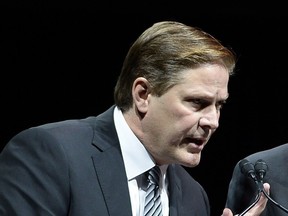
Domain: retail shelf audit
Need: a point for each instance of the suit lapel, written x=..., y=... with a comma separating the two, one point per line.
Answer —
x=110, y=172
x=109, y=166
x=174, y=191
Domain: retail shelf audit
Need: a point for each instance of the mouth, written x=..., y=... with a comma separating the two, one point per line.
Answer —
x=195, y=141
x=194, y=145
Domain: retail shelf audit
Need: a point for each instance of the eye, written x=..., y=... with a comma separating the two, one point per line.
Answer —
x=200, y=103
x=220, y=104
x=196, y=101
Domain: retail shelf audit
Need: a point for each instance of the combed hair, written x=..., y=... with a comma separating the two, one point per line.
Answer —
x=162, y=52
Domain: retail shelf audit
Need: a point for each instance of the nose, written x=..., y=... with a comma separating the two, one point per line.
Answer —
x=210, y=118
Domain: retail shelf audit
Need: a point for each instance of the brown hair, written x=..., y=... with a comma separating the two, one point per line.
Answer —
x=164, y=50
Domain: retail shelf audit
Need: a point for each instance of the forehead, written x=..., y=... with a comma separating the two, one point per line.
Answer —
x=209, y=79
x=207, y=74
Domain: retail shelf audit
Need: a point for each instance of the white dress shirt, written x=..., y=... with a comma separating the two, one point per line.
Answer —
x=137, y=161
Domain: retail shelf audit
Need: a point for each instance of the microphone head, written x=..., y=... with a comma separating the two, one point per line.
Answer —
x=247, y=168
x=261, y=168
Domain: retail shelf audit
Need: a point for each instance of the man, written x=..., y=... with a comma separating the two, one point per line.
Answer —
x=168, y=99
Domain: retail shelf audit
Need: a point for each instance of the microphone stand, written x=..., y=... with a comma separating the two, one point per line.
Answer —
x=252, y=205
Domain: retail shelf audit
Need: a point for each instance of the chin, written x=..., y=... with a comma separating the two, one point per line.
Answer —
x=192, y=163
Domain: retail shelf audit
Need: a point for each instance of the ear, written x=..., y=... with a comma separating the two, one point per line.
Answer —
x=140, y=93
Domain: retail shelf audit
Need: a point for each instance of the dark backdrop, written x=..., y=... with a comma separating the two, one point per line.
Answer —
x=61, y=61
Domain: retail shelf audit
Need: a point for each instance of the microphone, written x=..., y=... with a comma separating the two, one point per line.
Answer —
x=247, y=168
x=261, y=168
x=257, y=172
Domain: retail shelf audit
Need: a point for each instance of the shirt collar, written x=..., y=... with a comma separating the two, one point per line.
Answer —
x=136, y=158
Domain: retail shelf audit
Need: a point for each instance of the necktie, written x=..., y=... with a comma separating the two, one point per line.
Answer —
x=152, y=198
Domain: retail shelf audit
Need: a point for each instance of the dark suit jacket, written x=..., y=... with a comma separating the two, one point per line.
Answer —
x=242, y=190
x=75, y=168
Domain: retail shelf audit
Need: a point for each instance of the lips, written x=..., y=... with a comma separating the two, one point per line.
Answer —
x=196, y=141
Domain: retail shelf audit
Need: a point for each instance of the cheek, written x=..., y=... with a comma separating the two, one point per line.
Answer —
x=185, y=124
x=185, y=116
x=173, y=114
x=188, y=123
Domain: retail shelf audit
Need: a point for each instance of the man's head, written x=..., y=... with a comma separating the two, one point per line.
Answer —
x=173, y=84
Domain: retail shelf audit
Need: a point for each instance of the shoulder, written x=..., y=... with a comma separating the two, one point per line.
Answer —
x=56, y=129
x=275, y=154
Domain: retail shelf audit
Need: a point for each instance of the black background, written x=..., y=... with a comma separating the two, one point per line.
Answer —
x=60, y=60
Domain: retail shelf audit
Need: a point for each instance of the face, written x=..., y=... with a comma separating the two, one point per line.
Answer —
x=177, y=125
